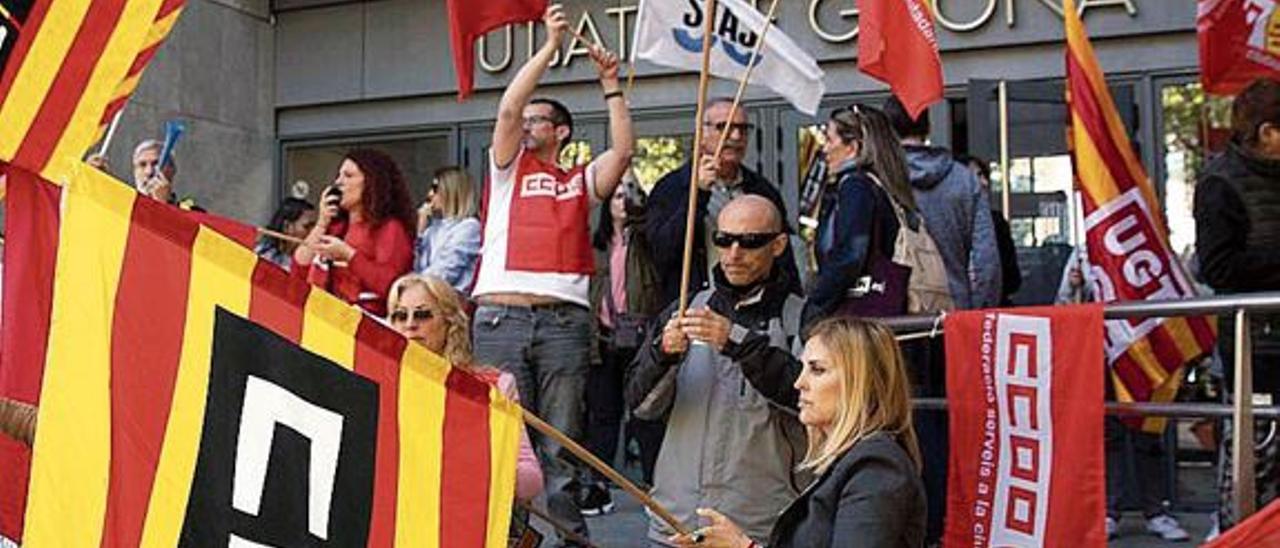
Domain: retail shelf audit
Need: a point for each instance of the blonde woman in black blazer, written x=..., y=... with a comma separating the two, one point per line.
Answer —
x=854, y=399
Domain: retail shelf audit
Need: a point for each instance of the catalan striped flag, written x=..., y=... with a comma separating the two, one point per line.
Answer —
x=192, y=394
x=1125, y=234
x=64, y=63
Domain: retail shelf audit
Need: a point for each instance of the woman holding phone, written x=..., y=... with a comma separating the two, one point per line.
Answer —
x=363, y=238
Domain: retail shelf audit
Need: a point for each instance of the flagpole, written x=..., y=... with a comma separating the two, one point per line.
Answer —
x=565, y=530
x=742, y=85
x=613, y=475
x=704, y=80
x=1002, y=93
x=111, y=132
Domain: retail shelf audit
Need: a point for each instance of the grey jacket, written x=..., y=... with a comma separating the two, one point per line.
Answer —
x=956, y=211
x=727, y=445
x=871, y=497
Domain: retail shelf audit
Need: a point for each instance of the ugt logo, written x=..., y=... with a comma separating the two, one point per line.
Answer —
x=737, y=44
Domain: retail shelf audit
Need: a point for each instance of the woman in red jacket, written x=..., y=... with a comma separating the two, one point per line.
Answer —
x=363, y=239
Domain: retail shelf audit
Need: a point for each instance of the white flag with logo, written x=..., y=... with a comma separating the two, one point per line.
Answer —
x=669, y=33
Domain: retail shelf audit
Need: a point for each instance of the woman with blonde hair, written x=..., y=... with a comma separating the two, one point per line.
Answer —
x=448, y=244
x=430, y=312
x=854, y=399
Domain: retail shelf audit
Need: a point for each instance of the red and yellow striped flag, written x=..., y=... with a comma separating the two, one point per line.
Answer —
x=191, y=393
x=65, y=62
x=1125, y=235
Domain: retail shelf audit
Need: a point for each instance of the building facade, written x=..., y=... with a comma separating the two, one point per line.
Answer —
x=331, y=74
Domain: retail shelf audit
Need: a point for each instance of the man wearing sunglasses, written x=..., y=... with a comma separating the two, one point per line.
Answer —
x=714, y=372
x=718, y=182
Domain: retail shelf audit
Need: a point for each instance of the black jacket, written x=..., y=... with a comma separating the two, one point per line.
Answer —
x=1237, y=212
x=872, y=497
x=770, y=370
x=665, y=221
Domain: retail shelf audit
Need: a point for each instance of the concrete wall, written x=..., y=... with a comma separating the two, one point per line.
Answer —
x=216, y=71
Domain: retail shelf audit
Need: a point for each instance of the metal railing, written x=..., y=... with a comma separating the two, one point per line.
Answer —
x=1241, y=411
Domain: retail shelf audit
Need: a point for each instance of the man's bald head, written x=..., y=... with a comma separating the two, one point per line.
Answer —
x=750, y=213
x=752, y=226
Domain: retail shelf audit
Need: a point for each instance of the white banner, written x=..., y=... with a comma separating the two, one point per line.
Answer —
x=669, y=33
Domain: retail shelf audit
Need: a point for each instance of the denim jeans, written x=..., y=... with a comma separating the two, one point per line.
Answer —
x=547, y=349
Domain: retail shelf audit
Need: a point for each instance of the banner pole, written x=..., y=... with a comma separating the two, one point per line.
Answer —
x=746, y=76
x=111, y=132
x=613, y=475
x=1002, y=92
x=703, y=81
x=565, y=530
x=1242, y=443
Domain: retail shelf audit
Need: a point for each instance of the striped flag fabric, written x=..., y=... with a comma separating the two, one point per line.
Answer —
x=1125, y=236
x=165, y=19
x=191, y=393
x=65, y=62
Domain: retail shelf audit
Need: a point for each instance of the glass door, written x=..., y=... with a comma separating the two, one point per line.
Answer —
x=1042, y=209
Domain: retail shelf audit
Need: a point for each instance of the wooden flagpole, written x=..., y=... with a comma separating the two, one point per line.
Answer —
x=565, y=530
x=703, y=81
x=742, y=85
x=613, y=475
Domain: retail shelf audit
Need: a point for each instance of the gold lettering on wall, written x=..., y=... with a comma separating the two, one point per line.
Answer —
x=508, y=44
x=586, y=28
x=624, y=38
x=827, y=34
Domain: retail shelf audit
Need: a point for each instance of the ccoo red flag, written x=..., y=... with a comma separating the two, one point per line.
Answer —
x=1238, y=42
x=471, y=19
x=897, y=45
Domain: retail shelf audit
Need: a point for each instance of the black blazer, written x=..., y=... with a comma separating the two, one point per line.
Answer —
x=871, y=497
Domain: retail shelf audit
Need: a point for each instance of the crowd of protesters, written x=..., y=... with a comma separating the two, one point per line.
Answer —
x=772, y=410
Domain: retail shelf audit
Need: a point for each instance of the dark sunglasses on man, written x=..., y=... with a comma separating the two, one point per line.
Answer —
x=743, y=128
x=747, y=240
x=402, y=315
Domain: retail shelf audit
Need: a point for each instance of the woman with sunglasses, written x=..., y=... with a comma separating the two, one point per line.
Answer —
x=857, y=227
x=363, y=239
x=855, y=403
x=449, y=236
x=428, y=311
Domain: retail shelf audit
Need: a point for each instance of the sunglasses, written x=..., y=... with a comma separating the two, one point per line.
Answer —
x=420, y=314
x=749, y=240
x=742, y=128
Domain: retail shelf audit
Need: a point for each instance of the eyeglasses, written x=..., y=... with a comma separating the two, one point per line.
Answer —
x=537, y=119
x=402, y=315
x=748, y=240
x=743, y=128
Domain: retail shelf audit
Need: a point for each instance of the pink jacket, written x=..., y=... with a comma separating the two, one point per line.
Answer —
x=528, y=470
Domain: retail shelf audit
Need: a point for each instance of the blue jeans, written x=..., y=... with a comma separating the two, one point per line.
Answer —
x=547, y=349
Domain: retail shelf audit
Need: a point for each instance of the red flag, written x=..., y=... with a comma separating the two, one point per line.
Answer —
x=1261, y=529
x=1025, y=393
x=1238, y=42
x=471, y=19
x=897, y=45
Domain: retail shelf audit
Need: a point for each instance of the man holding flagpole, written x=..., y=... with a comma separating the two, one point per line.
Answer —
x=536, y=261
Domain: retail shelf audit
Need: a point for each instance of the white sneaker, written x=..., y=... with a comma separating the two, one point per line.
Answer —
x=1166, y=527
x=1112, y=526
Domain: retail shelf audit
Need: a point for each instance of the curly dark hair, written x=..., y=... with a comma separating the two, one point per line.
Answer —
x=386, y=195
x=1257, y=104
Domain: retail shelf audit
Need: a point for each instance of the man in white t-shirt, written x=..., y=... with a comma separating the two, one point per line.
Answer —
x=536, y=260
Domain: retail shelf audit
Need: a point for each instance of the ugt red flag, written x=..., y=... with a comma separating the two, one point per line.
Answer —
x=471, y=19
x=897, y=45
x=1238, y=42
x=1026, y=461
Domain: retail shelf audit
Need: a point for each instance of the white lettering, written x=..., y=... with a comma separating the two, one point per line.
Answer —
x=954, y=26
x=542, y=185
x=1024, y=375
x=266, y=405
